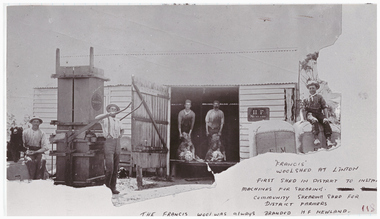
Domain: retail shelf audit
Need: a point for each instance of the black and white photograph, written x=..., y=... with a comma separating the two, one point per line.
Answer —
x=184, y=109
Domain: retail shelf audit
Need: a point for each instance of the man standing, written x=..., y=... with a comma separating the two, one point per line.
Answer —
x=36, y=142
x=214, y=120
x=186, y=119
x=112, y=132
x=312, y=108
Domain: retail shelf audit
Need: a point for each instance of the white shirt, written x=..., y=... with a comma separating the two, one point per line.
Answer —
x=35, y=138
x=111, y=127
x=311, y=96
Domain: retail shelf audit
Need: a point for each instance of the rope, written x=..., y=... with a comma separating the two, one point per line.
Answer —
x=131, y=111
x=185, y=53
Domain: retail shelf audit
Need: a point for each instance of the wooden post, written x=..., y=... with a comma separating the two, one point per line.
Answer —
x=168, y=134
x=139, y=176
x=91, y=57
x=173, y=168
x=69, y=164
x=298, y=92
x=57, y=61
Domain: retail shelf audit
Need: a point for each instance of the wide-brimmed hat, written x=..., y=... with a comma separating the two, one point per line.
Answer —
x=35, y=118
x=111, y=105
x=315, y=83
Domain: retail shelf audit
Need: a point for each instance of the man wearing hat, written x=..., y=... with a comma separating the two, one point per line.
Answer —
x=36, y=142
x=112, y=132
x=312, y=110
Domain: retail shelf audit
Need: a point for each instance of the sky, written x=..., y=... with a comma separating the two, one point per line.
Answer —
x=184, y=44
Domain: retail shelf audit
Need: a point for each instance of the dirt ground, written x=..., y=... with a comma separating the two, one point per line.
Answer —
x=154, y=187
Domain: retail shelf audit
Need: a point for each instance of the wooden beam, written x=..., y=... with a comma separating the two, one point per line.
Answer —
x=72, y=137
x=141, y=119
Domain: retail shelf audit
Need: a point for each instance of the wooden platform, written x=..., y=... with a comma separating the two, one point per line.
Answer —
x=220, y=166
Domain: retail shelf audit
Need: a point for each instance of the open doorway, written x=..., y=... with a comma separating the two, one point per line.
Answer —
x=202, y=101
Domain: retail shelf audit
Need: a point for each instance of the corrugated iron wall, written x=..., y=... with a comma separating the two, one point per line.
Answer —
x=271, y=96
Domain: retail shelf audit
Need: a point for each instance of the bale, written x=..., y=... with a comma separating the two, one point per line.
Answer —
x=305, y=138
x=271, y=136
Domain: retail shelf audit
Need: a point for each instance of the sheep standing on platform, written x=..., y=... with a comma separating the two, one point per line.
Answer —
x=186, y=150
x=216, y=152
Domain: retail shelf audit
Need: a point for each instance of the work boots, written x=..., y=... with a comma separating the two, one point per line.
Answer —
x=329, y=143
x=114, y=191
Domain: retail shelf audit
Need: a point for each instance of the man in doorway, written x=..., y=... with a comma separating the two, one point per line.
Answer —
x=36, y=142
x=112, y=131
x=186, y=119
x=312, y=108
x=214, y=120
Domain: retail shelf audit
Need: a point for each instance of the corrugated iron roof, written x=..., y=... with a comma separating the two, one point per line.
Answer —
x=230, y=85
x=44, y=87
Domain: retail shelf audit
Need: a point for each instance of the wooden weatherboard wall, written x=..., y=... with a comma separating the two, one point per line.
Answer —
x=256, y=96
x=45, y=106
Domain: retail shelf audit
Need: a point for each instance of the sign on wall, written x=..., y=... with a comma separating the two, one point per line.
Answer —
x=258, y=114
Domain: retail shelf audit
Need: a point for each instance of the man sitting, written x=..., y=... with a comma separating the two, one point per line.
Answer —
x=36, y=142
x=312, y=108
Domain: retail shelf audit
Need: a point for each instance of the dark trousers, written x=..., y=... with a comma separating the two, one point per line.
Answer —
x=112, y=158
x=36, y=166
x=185, y=128
x=315, y=127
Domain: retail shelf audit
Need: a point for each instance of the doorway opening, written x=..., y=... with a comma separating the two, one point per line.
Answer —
x=201, y=102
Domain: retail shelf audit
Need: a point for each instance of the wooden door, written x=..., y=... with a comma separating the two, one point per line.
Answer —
x=150, y=122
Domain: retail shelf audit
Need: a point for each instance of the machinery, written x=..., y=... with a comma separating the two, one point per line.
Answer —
x=80, y=155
